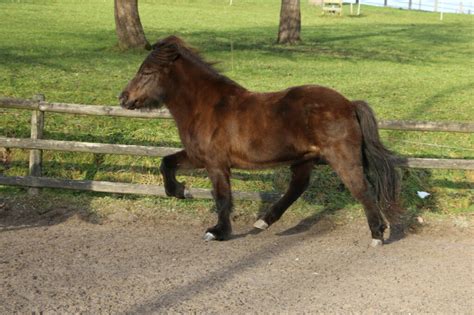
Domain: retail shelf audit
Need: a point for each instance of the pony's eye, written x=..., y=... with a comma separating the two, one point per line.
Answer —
x=147, y=72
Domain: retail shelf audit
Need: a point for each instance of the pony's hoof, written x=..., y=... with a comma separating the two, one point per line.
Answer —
x=260, y=224
x=376, y=243
x=209, y=237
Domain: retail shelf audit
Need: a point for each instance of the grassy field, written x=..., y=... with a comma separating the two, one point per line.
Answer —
x=407, y=64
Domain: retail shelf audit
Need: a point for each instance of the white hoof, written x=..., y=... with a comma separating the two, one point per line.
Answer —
x=209, y=237
x=260, y=224
x=187, y=194
x=376, y=243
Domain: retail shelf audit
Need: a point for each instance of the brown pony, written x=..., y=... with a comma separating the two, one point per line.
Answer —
x=222, y=125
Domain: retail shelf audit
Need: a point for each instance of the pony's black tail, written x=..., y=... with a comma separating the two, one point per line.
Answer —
x=378, y=166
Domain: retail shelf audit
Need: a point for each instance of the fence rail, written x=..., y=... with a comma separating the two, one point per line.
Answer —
x=88, y=147
x=125, y=188
x=38, y=106
x=98, y=110
x=106, y=148
x=459, y=7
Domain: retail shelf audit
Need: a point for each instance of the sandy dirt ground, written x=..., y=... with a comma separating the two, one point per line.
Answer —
x=73, y=266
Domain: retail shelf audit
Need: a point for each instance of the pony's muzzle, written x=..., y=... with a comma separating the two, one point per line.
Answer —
x=125, y=101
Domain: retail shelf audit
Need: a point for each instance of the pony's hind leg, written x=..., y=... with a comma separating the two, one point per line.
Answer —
x=169, y=165
x=348, y=165
x=300, y=175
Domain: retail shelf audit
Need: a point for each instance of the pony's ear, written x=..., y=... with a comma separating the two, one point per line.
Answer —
x=165, y=53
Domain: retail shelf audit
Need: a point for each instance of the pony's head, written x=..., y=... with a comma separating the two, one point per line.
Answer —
x=146, y=89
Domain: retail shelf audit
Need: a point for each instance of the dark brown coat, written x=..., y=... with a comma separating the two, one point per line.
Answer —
x=223, y=125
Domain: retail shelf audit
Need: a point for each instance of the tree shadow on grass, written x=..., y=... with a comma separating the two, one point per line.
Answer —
x=381, y=42
x=390, y=43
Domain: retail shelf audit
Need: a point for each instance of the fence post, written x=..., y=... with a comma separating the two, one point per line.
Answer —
x=36, y=156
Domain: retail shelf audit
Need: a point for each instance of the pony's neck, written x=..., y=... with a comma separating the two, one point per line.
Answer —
x=190, y=89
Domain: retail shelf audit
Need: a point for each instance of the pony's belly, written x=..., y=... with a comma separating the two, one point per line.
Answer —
x=262, y=160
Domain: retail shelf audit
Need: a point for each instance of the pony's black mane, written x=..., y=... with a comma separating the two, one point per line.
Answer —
x=189, y=53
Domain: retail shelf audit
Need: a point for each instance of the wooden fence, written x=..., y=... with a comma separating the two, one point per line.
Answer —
x=36, y=144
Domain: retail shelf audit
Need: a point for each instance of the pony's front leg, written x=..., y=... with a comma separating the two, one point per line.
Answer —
x=169, y=165
x=220, y=179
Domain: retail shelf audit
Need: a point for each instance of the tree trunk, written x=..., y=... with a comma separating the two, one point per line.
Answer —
x=290, y=22
x=128, y=26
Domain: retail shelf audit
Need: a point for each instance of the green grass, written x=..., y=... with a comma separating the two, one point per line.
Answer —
x=407, y=64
